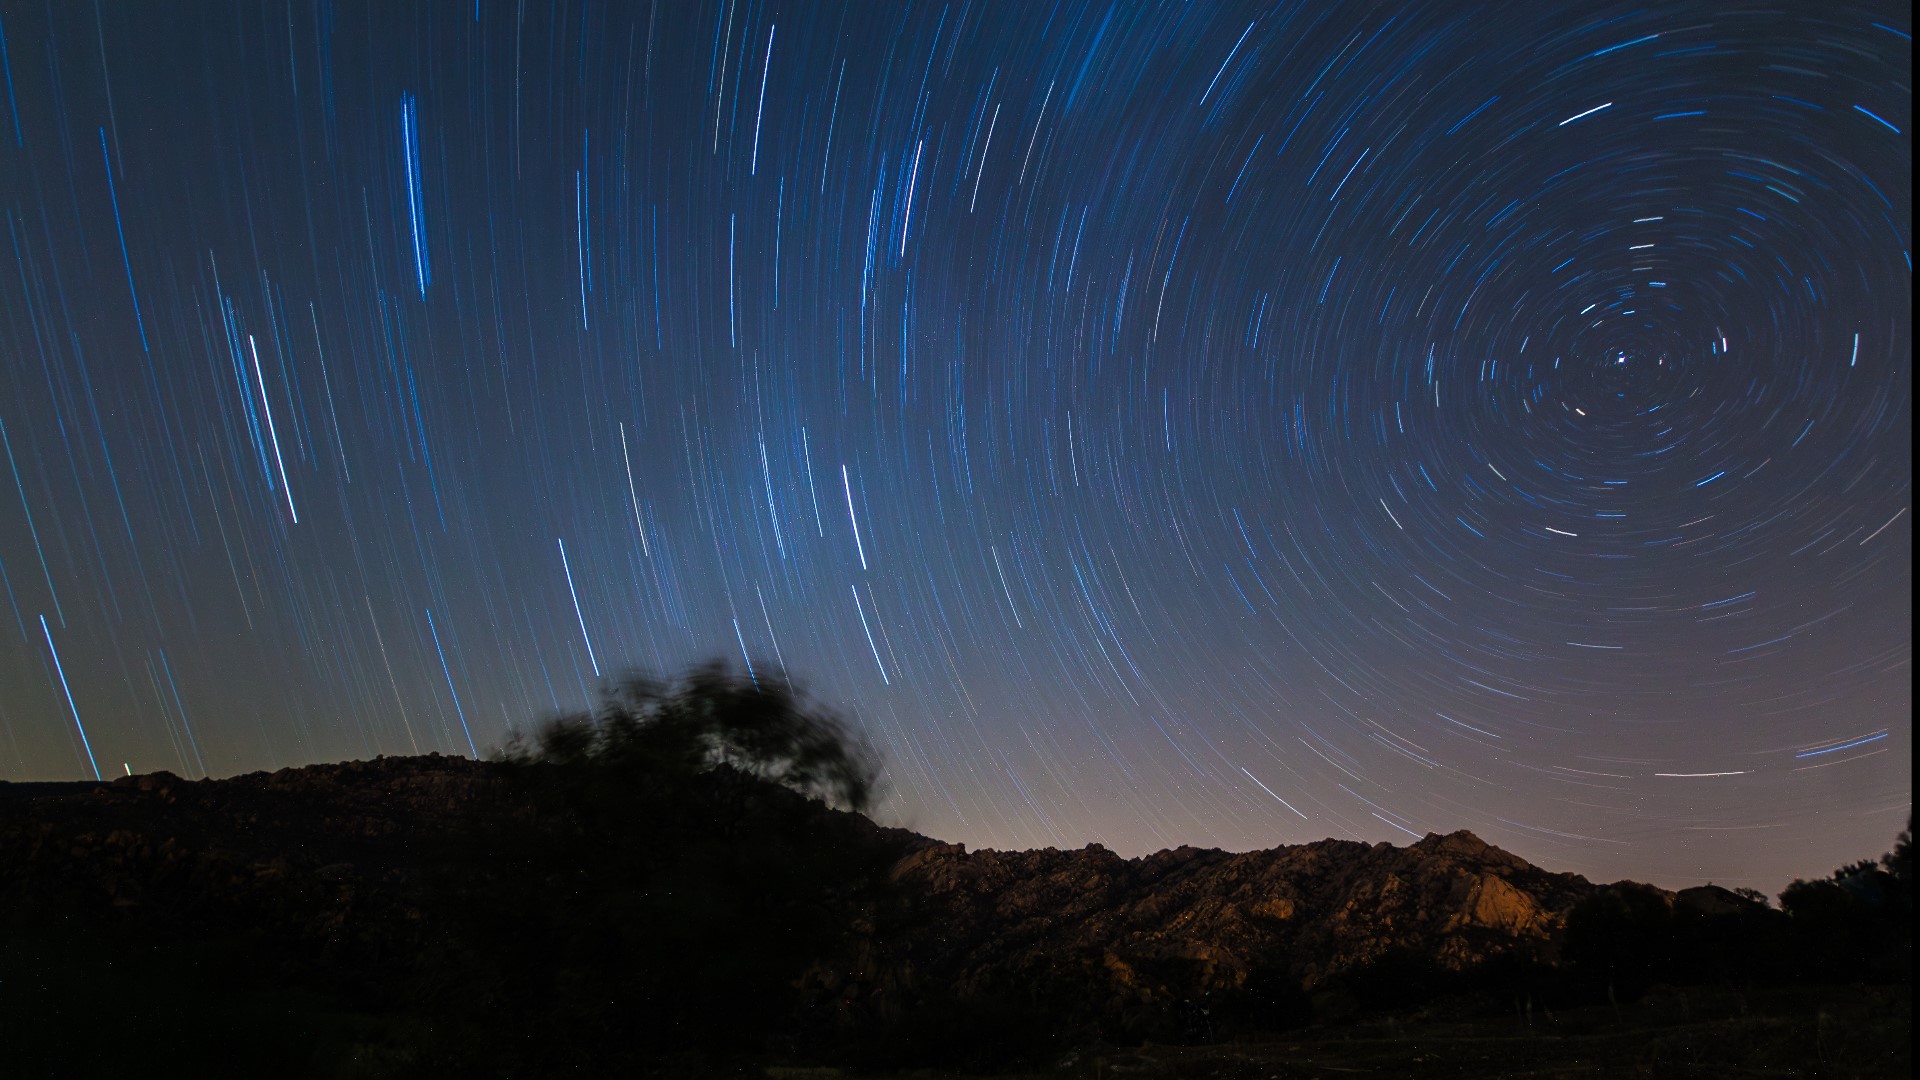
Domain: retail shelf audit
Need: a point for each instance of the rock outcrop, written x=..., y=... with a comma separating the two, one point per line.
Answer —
x=1184, y=924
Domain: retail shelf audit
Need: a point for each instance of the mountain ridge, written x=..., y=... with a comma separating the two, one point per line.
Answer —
x=462, y=889
x=1347, y=899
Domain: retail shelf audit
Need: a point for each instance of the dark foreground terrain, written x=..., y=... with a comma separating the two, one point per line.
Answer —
x=622, y=900
x=1845, y=1032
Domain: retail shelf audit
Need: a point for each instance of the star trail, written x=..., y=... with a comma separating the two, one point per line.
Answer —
x=1156, y=423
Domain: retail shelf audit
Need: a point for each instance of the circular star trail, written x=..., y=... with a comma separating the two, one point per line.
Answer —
x=1157, y=423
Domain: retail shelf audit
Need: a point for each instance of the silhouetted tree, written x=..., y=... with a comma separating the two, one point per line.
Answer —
x=671, y=884
x=1857, y=923
x=648, y=728
x=1899, y=861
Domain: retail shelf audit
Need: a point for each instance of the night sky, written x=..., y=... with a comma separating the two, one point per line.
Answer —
x=1168, y=423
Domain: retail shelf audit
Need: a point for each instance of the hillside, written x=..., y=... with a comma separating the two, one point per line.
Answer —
x=430, y=914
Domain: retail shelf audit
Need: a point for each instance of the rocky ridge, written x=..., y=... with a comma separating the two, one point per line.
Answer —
x=335, y=861
x=1179, y=926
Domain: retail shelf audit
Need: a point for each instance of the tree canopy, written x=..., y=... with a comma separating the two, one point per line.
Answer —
x=705, y=719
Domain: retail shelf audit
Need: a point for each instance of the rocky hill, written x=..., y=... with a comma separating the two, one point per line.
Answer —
x=370, y=873
x=1320, y=909
x=327, y=858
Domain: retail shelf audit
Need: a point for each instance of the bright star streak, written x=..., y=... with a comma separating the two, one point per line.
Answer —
x=1270, y=791
x=577, y=614
x=451, y=692
x=847, y=486
x=267, y=407
x=75, y=709
x=1589, y=112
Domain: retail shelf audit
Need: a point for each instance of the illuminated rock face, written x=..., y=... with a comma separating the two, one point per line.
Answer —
x=1189, y=922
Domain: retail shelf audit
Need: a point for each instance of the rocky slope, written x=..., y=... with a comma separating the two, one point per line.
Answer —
x=342, y=866
x=1328, y=906
x=328, y=862
x=1149, y=940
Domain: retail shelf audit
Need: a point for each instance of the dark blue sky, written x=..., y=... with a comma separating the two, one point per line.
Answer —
x=1157, y=423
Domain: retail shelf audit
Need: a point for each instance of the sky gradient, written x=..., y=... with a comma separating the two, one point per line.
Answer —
x=1217, y=424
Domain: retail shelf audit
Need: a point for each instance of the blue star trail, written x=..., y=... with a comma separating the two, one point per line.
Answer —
x=1253, y=423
